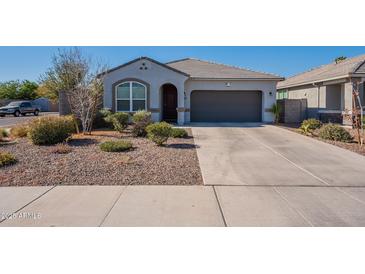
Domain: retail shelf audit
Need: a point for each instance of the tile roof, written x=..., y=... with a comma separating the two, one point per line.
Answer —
x=209, y=70
x=326, y=72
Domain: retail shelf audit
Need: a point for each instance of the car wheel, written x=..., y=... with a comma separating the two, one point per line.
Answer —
x=2, y=115
x=17, y=113
x=36, y=113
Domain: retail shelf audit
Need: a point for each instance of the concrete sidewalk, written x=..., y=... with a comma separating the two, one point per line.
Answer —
x=182, y=206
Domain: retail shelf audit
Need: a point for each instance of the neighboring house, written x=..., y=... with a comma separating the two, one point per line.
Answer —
x=190, y=90
x=328, y=89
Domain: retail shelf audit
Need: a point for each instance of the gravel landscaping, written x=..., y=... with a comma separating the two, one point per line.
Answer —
x=353, y=146
x=176, y=163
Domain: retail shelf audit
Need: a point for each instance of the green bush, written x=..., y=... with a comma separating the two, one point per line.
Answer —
x=310, y=125
x=6, y=159
x=335, y=133
x=159, y=132
x=100, y=120
x=51, y=130
x=119, y=120
x=141, y=119
x=179, y=133
x=19, y=131
x=115, y=146
x=3, y=133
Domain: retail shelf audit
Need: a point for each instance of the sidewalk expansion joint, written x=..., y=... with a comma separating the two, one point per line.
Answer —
x=219, y=206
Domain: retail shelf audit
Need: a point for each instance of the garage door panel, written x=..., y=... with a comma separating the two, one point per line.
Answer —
x=226, y=106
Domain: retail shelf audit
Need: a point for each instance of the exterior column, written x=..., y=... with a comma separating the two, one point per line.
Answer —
x=180, y=105
x=347, y=116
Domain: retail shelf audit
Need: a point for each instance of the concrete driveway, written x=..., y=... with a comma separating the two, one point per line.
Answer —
x=262, y=155
x=9, y=121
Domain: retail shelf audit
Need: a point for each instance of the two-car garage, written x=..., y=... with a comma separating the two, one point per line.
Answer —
x=225, y=106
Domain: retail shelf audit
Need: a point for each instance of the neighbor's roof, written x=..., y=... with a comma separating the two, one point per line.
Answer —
x=209, y=70
x=327, y=72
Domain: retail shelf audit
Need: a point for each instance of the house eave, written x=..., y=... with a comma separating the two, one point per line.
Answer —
x=315, y=82
x=236, y=79
x=143, y=58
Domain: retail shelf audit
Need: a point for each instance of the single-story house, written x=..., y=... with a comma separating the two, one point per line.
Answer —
x=190, y=90
x=327, y=89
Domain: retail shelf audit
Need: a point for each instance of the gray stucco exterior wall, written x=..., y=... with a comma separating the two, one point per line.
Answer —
x=156, y=75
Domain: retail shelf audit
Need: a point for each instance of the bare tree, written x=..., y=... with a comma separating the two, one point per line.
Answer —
x=81, y=80
x=86, y=97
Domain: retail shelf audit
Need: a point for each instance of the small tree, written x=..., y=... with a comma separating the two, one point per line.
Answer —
x=276, y=109
x=81, y=80
x=340, y=59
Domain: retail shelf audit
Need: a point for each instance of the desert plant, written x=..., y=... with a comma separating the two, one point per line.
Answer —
x=335, y=133
x=6, y=159
x=119, y=120
x=159, y=132
x=61, y=149
x=116, y=146
x=141, y=119
x=276, y=109
x=179, y=133
x=19, y=131
x=3, y=133
x=310, y=125
x=51, y=130
x=100, y=120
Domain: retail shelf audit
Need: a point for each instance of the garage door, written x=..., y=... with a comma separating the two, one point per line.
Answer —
x=225, y=106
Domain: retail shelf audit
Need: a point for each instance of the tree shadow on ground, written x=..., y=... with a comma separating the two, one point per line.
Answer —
x=80, y=142
x=182, y=146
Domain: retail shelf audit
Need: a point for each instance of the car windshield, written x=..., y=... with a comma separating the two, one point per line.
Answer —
x=14, y=104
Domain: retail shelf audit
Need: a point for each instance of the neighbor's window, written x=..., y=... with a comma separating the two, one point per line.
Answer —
x=131, y=96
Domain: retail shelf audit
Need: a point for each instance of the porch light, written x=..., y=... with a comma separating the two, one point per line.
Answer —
x=228, y=84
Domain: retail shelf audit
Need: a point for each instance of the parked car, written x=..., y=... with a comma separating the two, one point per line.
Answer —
x=19, y=108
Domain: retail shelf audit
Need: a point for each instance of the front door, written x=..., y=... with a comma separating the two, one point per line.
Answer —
x=169, y=102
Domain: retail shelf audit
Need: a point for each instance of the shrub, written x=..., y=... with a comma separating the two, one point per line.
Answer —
x=61, y=149
x=276, y=110
x=119, y=120
x=6, y=159
x=310, y=125
x=3, y=133
x=51, y=130
x=335, y=133
x=115, y=146
x=179, y=133
x=20, y=131
x=159, y=132
x=141, y=119
x=100, y=120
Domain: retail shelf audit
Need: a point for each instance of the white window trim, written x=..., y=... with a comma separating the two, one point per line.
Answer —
x=130, y=96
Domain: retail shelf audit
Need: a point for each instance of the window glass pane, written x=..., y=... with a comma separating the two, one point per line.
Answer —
x=123, y=91
x=123, y=105
x=138, y=91
x=139, y=105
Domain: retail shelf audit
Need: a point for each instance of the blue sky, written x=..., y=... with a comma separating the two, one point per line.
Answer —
x=29, y=62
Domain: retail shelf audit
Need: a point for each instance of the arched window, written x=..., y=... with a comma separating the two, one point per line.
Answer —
x=131, y=96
